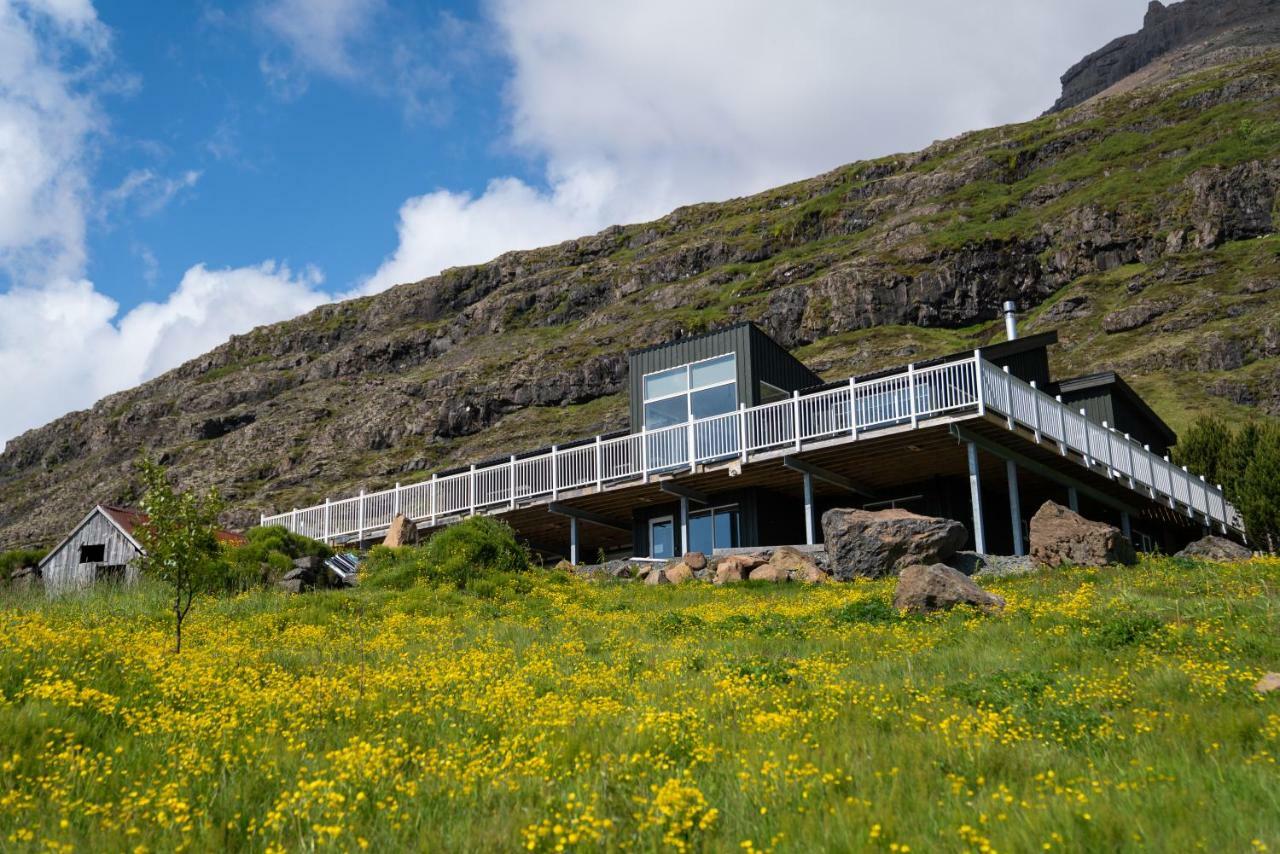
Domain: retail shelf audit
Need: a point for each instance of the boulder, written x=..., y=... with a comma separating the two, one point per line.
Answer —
x=1216, y=548
x=291, y=585
x=1060, y=537
x=1268, y=683
x=922, y=589
x=729, y=571
x=873, y=544
x=768, y=572
x=24, y=577
x=678, y=573
x=798, y=565
x=567, y=566
x=656, y=576
x=695, y=560
x=401, y=533
x=309, y=563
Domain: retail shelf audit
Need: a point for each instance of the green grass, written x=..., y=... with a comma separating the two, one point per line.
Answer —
x=1105, y=709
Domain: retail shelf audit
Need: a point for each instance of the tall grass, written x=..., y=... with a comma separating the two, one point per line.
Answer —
x=1105, y=710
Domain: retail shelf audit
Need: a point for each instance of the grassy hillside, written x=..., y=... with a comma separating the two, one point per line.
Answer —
x=1106, y=710
x=1143, y=227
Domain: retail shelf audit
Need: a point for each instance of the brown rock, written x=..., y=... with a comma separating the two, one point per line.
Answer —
x=656, y=576
x=565, y=565
x=922, y=589
x=695, y=560
x=768, y=573
x=1216, y=548
x=800, y=566
x=678, y=573
x=1268, y=683
x=869, y=544
x=729, y=571
x=1060, y=537
x=401, y=533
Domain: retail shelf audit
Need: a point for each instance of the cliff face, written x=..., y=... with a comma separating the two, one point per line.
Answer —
x=1191, y=32
x=1141, y=226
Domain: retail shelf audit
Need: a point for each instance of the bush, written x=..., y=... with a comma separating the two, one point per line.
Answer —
x=267, y=556
x=17, y=559
x=459, y=556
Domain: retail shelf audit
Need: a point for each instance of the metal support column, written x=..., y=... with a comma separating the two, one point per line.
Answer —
x=808, y=509
x=1073, y=499
x=573, y=540
x=975, y=497
x=1015, y=507
x=684, y=525
x=1125, y=527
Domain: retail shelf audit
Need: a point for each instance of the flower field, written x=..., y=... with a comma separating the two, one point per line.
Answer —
x=1105, y=710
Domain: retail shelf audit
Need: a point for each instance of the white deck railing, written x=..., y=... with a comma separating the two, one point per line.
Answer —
x=844, y=412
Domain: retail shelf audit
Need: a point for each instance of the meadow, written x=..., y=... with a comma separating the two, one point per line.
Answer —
x=1105, y=710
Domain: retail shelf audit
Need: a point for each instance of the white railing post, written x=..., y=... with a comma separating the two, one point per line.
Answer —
x=396, y=501
x=511, y=480
x=471, y=488
x=1035, y=411
x=1062, y=425
x=1133, y=472
x=262, y=519
x=742, y=432
x=326, y=521
x=293, y=520
x=555, y=475
x=599, y=466
x=911, y=393
x=360, y=522
x=978, y=387
x=853, y=407
x=1088, y=440
x=434, y=486
x=1168, y=464
x=1008, y=395
x=644, y=453
x=690, y=435
x=1111, y=468
x=795, y=416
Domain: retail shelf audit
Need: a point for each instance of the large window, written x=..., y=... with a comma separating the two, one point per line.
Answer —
x=713, y=529
x=699, y=390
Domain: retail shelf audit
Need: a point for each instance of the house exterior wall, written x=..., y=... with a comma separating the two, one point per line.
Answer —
x=62, y=570
x=1029, y=366
x=758, y=358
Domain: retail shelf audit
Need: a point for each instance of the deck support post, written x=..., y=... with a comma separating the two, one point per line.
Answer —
x=1073, y=499
x=809, y=537
x=1015, y=507
x=573, y=540
x=975, y=497
x=1126, y=527
x=684, y=525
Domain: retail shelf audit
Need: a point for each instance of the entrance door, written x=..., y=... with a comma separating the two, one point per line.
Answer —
x=662, y=537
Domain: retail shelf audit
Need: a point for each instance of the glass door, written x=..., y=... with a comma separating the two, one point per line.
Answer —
x=662, y=537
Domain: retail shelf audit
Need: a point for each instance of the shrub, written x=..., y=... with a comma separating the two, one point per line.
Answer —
x=458, y=556
x=267, y=556
x=16, y=559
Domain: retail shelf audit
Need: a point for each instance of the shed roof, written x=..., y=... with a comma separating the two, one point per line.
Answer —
x=127, y=519
x=1113, y=380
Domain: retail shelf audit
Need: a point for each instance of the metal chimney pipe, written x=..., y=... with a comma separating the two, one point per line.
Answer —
x=1010, y=319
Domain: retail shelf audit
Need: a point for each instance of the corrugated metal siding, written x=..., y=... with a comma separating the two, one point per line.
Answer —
x=63, y=570
x=774, y=364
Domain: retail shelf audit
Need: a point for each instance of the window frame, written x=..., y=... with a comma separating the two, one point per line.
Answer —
x=689, y=389
x=86, y=546
x=735, y=507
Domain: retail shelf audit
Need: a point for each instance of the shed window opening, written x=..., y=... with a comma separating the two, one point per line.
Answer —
x=698, y=390
x=717, y=528
x=96, y=553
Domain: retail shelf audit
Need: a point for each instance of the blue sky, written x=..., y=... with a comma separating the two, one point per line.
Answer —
x=175, y=173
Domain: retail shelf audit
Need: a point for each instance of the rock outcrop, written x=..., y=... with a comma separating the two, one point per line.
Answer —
x=1238, y=24
x=1060, y=537
x=873, y=544
x=923, y=589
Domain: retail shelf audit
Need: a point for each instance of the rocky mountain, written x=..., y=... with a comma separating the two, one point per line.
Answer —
x=1174, y=40
x=1142, y=226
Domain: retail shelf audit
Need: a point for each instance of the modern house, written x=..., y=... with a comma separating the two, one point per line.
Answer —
x=103, y=547
x=734, y=442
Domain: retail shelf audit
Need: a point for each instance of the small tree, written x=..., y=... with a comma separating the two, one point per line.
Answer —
x=1258, y=493
x=1203, y=448
x=179, y=540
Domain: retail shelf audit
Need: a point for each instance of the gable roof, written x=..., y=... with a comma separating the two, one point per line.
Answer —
x=127, y=520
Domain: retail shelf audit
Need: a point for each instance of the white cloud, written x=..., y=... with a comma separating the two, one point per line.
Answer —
x=63, y=345
x=318, y=35
x=149, y=192
x=638, y=108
